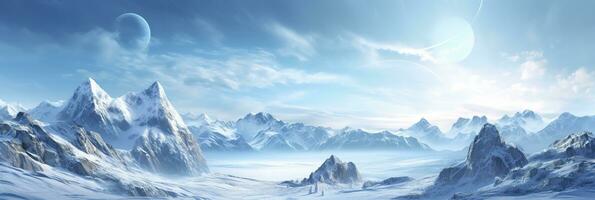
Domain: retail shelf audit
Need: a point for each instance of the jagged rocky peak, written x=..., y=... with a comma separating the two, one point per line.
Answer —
x=488, y=157
x=335, y=171
x=91, y=88
x=145, y=123
x=577, y=144
x=528, y=114
x=23, y=118
x=422, y=124
x=261, y=117
x=476, y=120
x=155, y=90
x=332, y=171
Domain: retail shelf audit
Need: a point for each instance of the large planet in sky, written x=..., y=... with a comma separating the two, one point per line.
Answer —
x=133, y=31
x=454, y=40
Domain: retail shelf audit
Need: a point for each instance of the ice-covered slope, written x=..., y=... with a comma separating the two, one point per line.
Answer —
x=145, y=123
x=357, y=139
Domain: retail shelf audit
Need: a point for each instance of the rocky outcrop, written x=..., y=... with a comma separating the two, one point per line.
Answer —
x=567, y=164
x=488, y=158
x=333, y=171
x=578, y=144
x=28, y=146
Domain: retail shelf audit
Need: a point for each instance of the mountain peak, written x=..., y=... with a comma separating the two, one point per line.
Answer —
x=581, y=143
x=93, y=89
x=422, y=123
x=488, y=134
x=155, y=90
x=260, y=117
x=566, y=115
x=23, y=118
x=332, y=160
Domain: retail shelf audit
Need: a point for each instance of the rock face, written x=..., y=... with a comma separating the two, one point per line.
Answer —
x=144, y=123
x=488, y=157
x=562, y=126
x=27, y=145
x=566, y=164
x=333, y=171
x=578, y=144
x=350, y=139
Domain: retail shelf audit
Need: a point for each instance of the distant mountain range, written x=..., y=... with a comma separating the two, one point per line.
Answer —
x=123, y=120
x=263, y=132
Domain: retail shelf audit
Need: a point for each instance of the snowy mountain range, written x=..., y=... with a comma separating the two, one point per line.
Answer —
x=98, y=144
x=263, y=132
x=144, y=124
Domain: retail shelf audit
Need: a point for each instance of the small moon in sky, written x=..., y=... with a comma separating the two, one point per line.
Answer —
x=455, y=39
x=133, y=31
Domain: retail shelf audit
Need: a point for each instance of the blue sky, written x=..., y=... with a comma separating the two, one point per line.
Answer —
x=369, y=64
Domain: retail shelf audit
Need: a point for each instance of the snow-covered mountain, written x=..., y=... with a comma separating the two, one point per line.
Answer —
x=527, y=119
x=9, y=111
x=358, y=139
x=291, y=136
x=70, y=157
x=561, y=127
x=567, y=165
x=260, y=131
x=464, y=127
x=46, y=111
x=427, y=133
x=144, y=123
x=332, y=171
x=215, y=135
x=489, y=157
x=252, y=124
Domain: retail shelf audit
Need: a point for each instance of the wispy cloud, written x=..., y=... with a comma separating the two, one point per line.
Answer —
x=298, y=45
